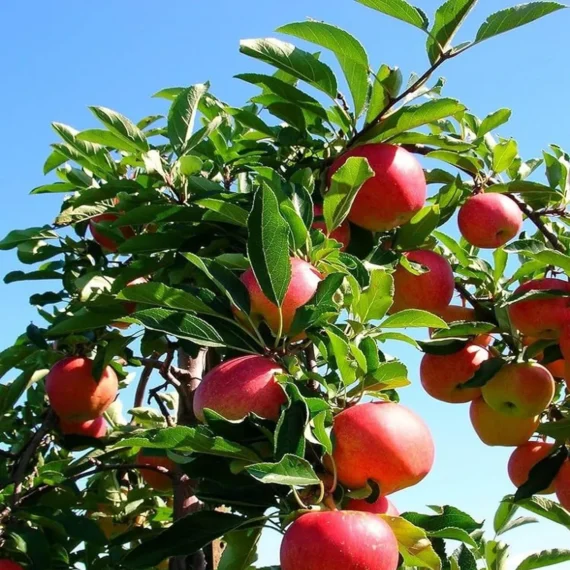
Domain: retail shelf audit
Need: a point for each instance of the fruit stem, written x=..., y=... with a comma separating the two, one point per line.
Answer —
x=334, y=474
x=330, y=504
x=299, y=500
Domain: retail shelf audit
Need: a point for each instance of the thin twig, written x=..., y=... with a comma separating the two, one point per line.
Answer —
x=143, y=383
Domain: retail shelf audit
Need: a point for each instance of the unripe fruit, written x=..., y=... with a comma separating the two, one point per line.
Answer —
x=241, y=386
x=74, y=394
x=489, y=220
x=524, y=458
x=382, y=506
x=541, y=318
x=154, y=479
x=303, y=285
x=382, y=441
x=521, y=390
x=92, y=428
x=562, y=486
x=339, y=539
x=106, y=242
x=442, y=376
x=431, y=291
x=340, y=234
x=395, y=193
x=496, y=429
x=9, y=565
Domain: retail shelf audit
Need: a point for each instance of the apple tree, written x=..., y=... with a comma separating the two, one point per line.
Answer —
x=261, y=261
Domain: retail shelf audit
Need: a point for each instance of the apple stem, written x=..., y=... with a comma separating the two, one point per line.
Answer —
x=299, y=500
x=334, y=474
x=330, y=504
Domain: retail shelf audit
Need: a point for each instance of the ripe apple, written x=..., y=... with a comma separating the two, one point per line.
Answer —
x=154, y=479
x=241, y=386
x=557, y=368
x=382, y=506
x=562, y=485
x=92, y=428
x=74, y=394
x=489, y=220
x=303, y=285
x=524, y=458
x=496, y=429
x=382, y=441
x=106, y=242
x=340, y=234
x=330, y=540
x=9, y=565
x=442, y=376
x=541, y=318
x=431, y=291
x=521, y=390
x=565, y=341
x=395, y=193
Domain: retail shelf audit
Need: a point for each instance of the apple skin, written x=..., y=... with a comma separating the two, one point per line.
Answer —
x=340, y=234
x=9, y=565
x=496, y=429
x=557, y=368
x=105, y=242
x=524, y=458
x=520, y=390
x=382, y=441
x=431, y=291
x=339, y=539
x=443, y=375
x=562, y=485
x=74, y=394
x=96, y=428
x=396, y=192
x=240, y=386
x=541, y=318
x=382, y=506
x=154, y=479
x=489, y=220
x=304, y=282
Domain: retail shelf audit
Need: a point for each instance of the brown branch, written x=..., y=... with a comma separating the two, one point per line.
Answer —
x=143, y=383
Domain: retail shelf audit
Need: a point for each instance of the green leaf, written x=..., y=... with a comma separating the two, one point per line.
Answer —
x=468, y=163
x=291, y=471
x=321, y=432
x=159, y=241
x=494, y=120
x=186, y=536
x=503, y=155
x=545, y=508
x=526, y=187
x=419, y=228
x=290, y=431
x=54, y=188
x=441, y=141
x=542, y=474
x=162, y=295
x=182, y=115
x=287, y=57
x=121, y=126
x=268, y=245
x=16, y=276
x=348, y=50
x=504, y=514
x=241, y=549
x=414, y=545
x=443, y=346
x=518, y=522
x=158, y=213
x=377, y=298
x=452, y=533
x=484, y=373
x=386, y=85
x=399, y=9
x=514, y=17
x=413, y=318
x=55, y=159
x=413, y=116
x=107, y=138
x=84, y=320
x=544, y=558
x=559, y=430
x=341, y=353
x=445, y=517
x=465, y=559
x=556, y=258
x=461, y=329
x=448, y=20
x=223, y=211
x=16, y=237
x=345, y=184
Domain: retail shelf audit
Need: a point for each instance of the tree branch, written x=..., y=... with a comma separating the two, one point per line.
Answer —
x=143, y=383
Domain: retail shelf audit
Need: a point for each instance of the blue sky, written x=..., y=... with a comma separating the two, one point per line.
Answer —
x=58, y=58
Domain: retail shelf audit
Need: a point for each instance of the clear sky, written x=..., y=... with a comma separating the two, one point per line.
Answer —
x=57, y=58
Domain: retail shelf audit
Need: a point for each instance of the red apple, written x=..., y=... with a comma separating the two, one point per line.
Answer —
x=382, y=441
x=562, y=486
x=92, y=428
x=303, y=285
x=496, y=429
x=395, y=193
x=106, y=242
x=382, y=506
x=521, y=390
x=442, y=376
x=489, y=220
x=557, y=368
x=339, y=539
x=431, y=291
x=340, y=234
x=9, y=565
x=524, y=458
x=541, y=318
x=74, y=394
x=154, y=479
x=241, y=386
